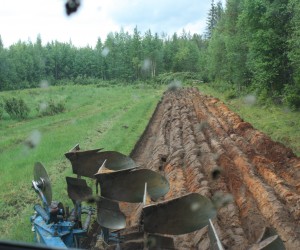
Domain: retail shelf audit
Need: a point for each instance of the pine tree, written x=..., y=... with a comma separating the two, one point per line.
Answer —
x=236, y=45
x=214, y=15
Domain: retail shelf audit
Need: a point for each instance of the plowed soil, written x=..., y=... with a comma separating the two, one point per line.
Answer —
x=189, y=138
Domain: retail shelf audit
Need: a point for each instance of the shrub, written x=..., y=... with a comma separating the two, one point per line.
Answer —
x=51, y=108
x=230, y=94
x=264, y=97
x=292, y=96
x=16, y=108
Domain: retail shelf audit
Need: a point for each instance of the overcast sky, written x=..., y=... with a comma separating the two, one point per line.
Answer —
x=25, y=19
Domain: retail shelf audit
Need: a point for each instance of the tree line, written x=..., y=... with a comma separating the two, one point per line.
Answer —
x=122, y=56
x=254, y=45
x=249, y=46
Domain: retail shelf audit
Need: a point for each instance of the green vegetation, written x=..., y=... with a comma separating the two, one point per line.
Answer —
x=16, y=108
x=250, y=44
x=254, y=45
x=95, y=117
x=51, y=108
x=122, y=57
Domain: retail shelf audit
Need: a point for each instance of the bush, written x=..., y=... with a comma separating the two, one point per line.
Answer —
x=292, y=96
x=51, y=108
x=264, y=97
x=230, y=94
x=16, y=108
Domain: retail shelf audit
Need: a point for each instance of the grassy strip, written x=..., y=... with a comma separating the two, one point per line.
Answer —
x=279, y=122
x=112, y=118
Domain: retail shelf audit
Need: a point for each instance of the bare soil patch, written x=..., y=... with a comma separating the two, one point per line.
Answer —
x=189, y=137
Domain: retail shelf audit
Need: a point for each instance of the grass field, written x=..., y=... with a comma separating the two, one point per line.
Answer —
x=95, y=117
x=109, y=117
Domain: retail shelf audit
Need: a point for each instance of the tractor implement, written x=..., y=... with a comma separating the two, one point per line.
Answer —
x=50, y=222
x=109, y=214
x=128, y=185
x=179, y=216
x=120, y=181
x=86, y=163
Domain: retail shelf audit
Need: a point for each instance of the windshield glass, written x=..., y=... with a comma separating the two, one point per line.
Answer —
x=159, y=124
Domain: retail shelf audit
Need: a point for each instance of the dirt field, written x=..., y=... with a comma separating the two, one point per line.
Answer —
x=189, y=138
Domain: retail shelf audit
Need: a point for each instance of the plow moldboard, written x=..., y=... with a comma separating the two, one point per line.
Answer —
x=128, y=185
x=109, y=214
x=87, y=163
x=179, y=216
x=78, y=190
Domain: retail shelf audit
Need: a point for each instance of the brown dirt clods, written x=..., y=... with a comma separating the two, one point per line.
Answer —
x=190, y=139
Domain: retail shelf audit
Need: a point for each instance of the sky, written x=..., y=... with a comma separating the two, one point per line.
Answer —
x=25, y=19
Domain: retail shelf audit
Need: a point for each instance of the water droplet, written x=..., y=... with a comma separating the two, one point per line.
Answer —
x=221, y=199
x=175, y=85
x=151, y=242
x=195, y=206
x=250, y=100
x=33, y=140
x=44, y=84
x=43, y=106
x=135, y=97
x=243, y=190
x=286, y=110
x=105, y=51
x=215, y=157
x=201, y=126
x=146, y=64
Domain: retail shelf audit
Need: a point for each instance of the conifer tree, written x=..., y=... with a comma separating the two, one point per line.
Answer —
x=214, y=15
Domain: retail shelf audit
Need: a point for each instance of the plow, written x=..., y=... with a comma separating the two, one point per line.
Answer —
x=118, y=179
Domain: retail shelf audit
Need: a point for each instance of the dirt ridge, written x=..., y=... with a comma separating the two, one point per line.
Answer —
x=191, y=135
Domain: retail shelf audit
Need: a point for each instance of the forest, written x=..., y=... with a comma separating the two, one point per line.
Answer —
x=249, y=46
x=122, y=56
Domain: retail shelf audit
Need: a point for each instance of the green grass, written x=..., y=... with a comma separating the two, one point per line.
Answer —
x=279, y=122
x=95, y=117
x=109, y=117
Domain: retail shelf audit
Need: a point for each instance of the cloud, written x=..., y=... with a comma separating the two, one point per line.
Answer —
x=96, y=18
x=160, y=16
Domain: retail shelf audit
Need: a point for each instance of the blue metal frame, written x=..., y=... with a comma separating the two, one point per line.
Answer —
x=61, y=234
